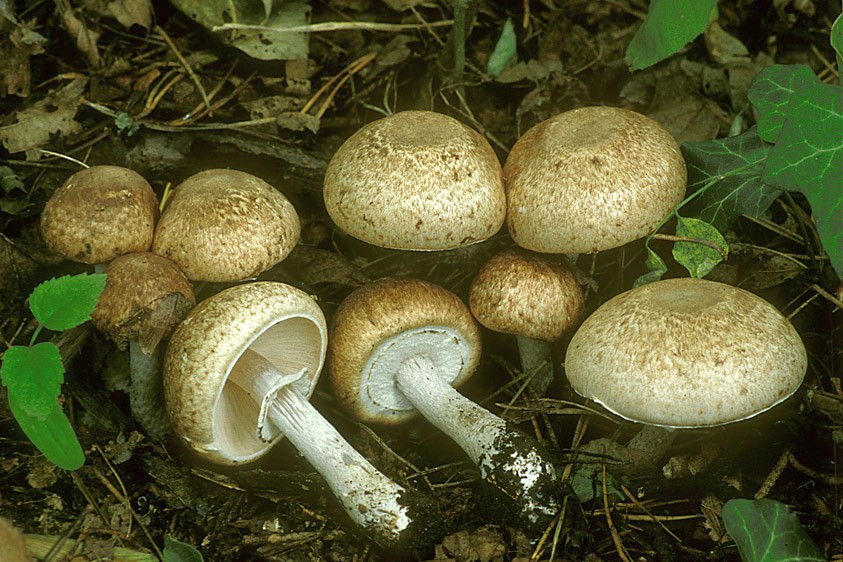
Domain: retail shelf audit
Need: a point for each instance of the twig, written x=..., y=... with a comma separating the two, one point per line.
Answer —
x=650, y=516
x=774, y=475
x=332, y=26
x=701, y=241
x=616, y=538
x=184, y=64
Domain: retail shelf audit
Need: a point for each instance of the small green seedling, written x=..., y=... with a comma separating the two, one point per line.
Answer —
x=766, y=531
x=33, y=374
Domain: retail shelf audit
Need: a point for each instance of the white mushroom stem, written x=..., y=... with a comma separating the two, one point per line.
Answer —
x=654, y=441
x=147, y=389
x=536, y=363
x=505, y=457
x=370, y=498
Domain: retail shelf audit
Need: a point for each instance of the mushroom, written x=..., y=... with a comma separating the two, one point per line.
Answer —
x=535, y=300
x=591, y=179
x=685, y=353
x=226, y=225
x=145, y=296
x=416, y=180
x=100, y=213
x=401, y=345
x=237, y=376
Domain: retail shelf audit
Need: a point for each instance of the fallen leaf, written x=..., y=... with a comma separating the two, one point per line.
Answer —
x=132, y=12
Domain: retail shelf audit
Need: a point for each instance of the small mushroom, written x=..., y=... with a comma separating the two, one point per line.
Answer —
x=416, y=180
x=226, y=225
x=591, y=179
x=100, y=213
x=144, y=298
x=685, y=353
x=237, y=376
x=535, y=300
x=400, y=346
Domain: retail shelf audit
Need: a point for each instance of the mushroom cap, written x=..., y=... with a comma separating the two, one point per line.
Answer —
x=100, y=213
x=226, y=225
x=380, y=325
x=591, y=179
x=144, y=298
x=525, y=296
x=416, y=180
x=215, y=418
x=686, y=353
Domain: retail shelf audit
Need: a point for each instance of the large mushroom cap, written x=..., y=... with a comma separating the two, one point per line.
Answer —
x=214, y=417
x=525, y=296
x=226, y=225
x=380, y=325
x=100, y=213
x=145, y=296
x=686, y=353
x=591, y=179
x=416, y=180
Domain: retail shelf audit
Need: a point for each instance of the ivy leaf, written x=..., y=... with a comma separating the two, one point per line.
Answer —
x=766, y=531
x=504, y=50
x=177, y=551
x=33, y=376
x=727, y=173
x=697, y=258
x=52, y=434
x=668, y=27
x=656, y=266
x=808, y=157
x=770, y=93
x=60, y=304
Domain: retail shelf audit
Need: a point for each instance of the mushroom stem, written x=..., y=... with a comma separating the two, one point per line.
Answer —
x=654, y=441
x=507, y=458
x=146, y=390
x=372, y=500
x=536, y=363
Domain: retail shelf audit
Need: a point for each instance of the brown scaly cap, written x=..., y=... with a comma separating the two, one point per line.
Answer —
x=226, y=225
x=145, y=297
x=282, y=323
x=686, y=353
x=591, y=179
x=416, y=180
x=525, y=296
x=100, y=213
x=382, y=310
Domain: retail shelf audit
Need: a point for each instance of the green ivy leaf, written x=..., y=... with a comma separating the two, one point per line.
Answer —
x=656, y=266
x=770, y=93
x=52, y=434
x=767, y=531
x=668, y=27
x=33, y=376
x=177, y=551
x=837, y=35
x=60, y=304
x=698, y=259
x=504, y=50
x=728, y=173
x=808, y=157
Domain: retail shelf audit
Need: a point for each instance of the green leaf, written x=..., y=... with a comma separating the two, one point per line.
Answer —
x=177, y=551
x=698, y=259
x=504, y=51
x=837, y=35
x=656, y=266
x=808, y=157
x=33, y=376
x=52, y=435
x=60, y=304
x=770, y=93
x=766, y=531
x=125, y=124
x=727, y=173
x=668, y=27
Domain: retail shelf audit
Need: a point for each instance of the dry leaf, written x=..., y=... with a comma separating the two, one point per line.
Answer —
x=86, y=39
x=132, y=12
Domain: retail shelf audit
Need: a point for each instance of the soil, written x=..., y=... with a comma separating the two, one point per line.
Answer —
x=103, y=90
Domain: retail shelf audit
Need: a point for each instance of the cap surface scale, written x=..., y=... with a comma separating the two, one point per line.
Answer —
x=591, y=179
x=226, y=225
x=215, y=418
x=525, y=296
x=100, y=213
x=382, y=324
x=416, y=180
x=686, y=353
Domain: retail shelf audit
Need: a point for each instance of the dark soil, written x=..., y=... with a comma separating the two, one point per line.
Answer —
x=133, y=492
